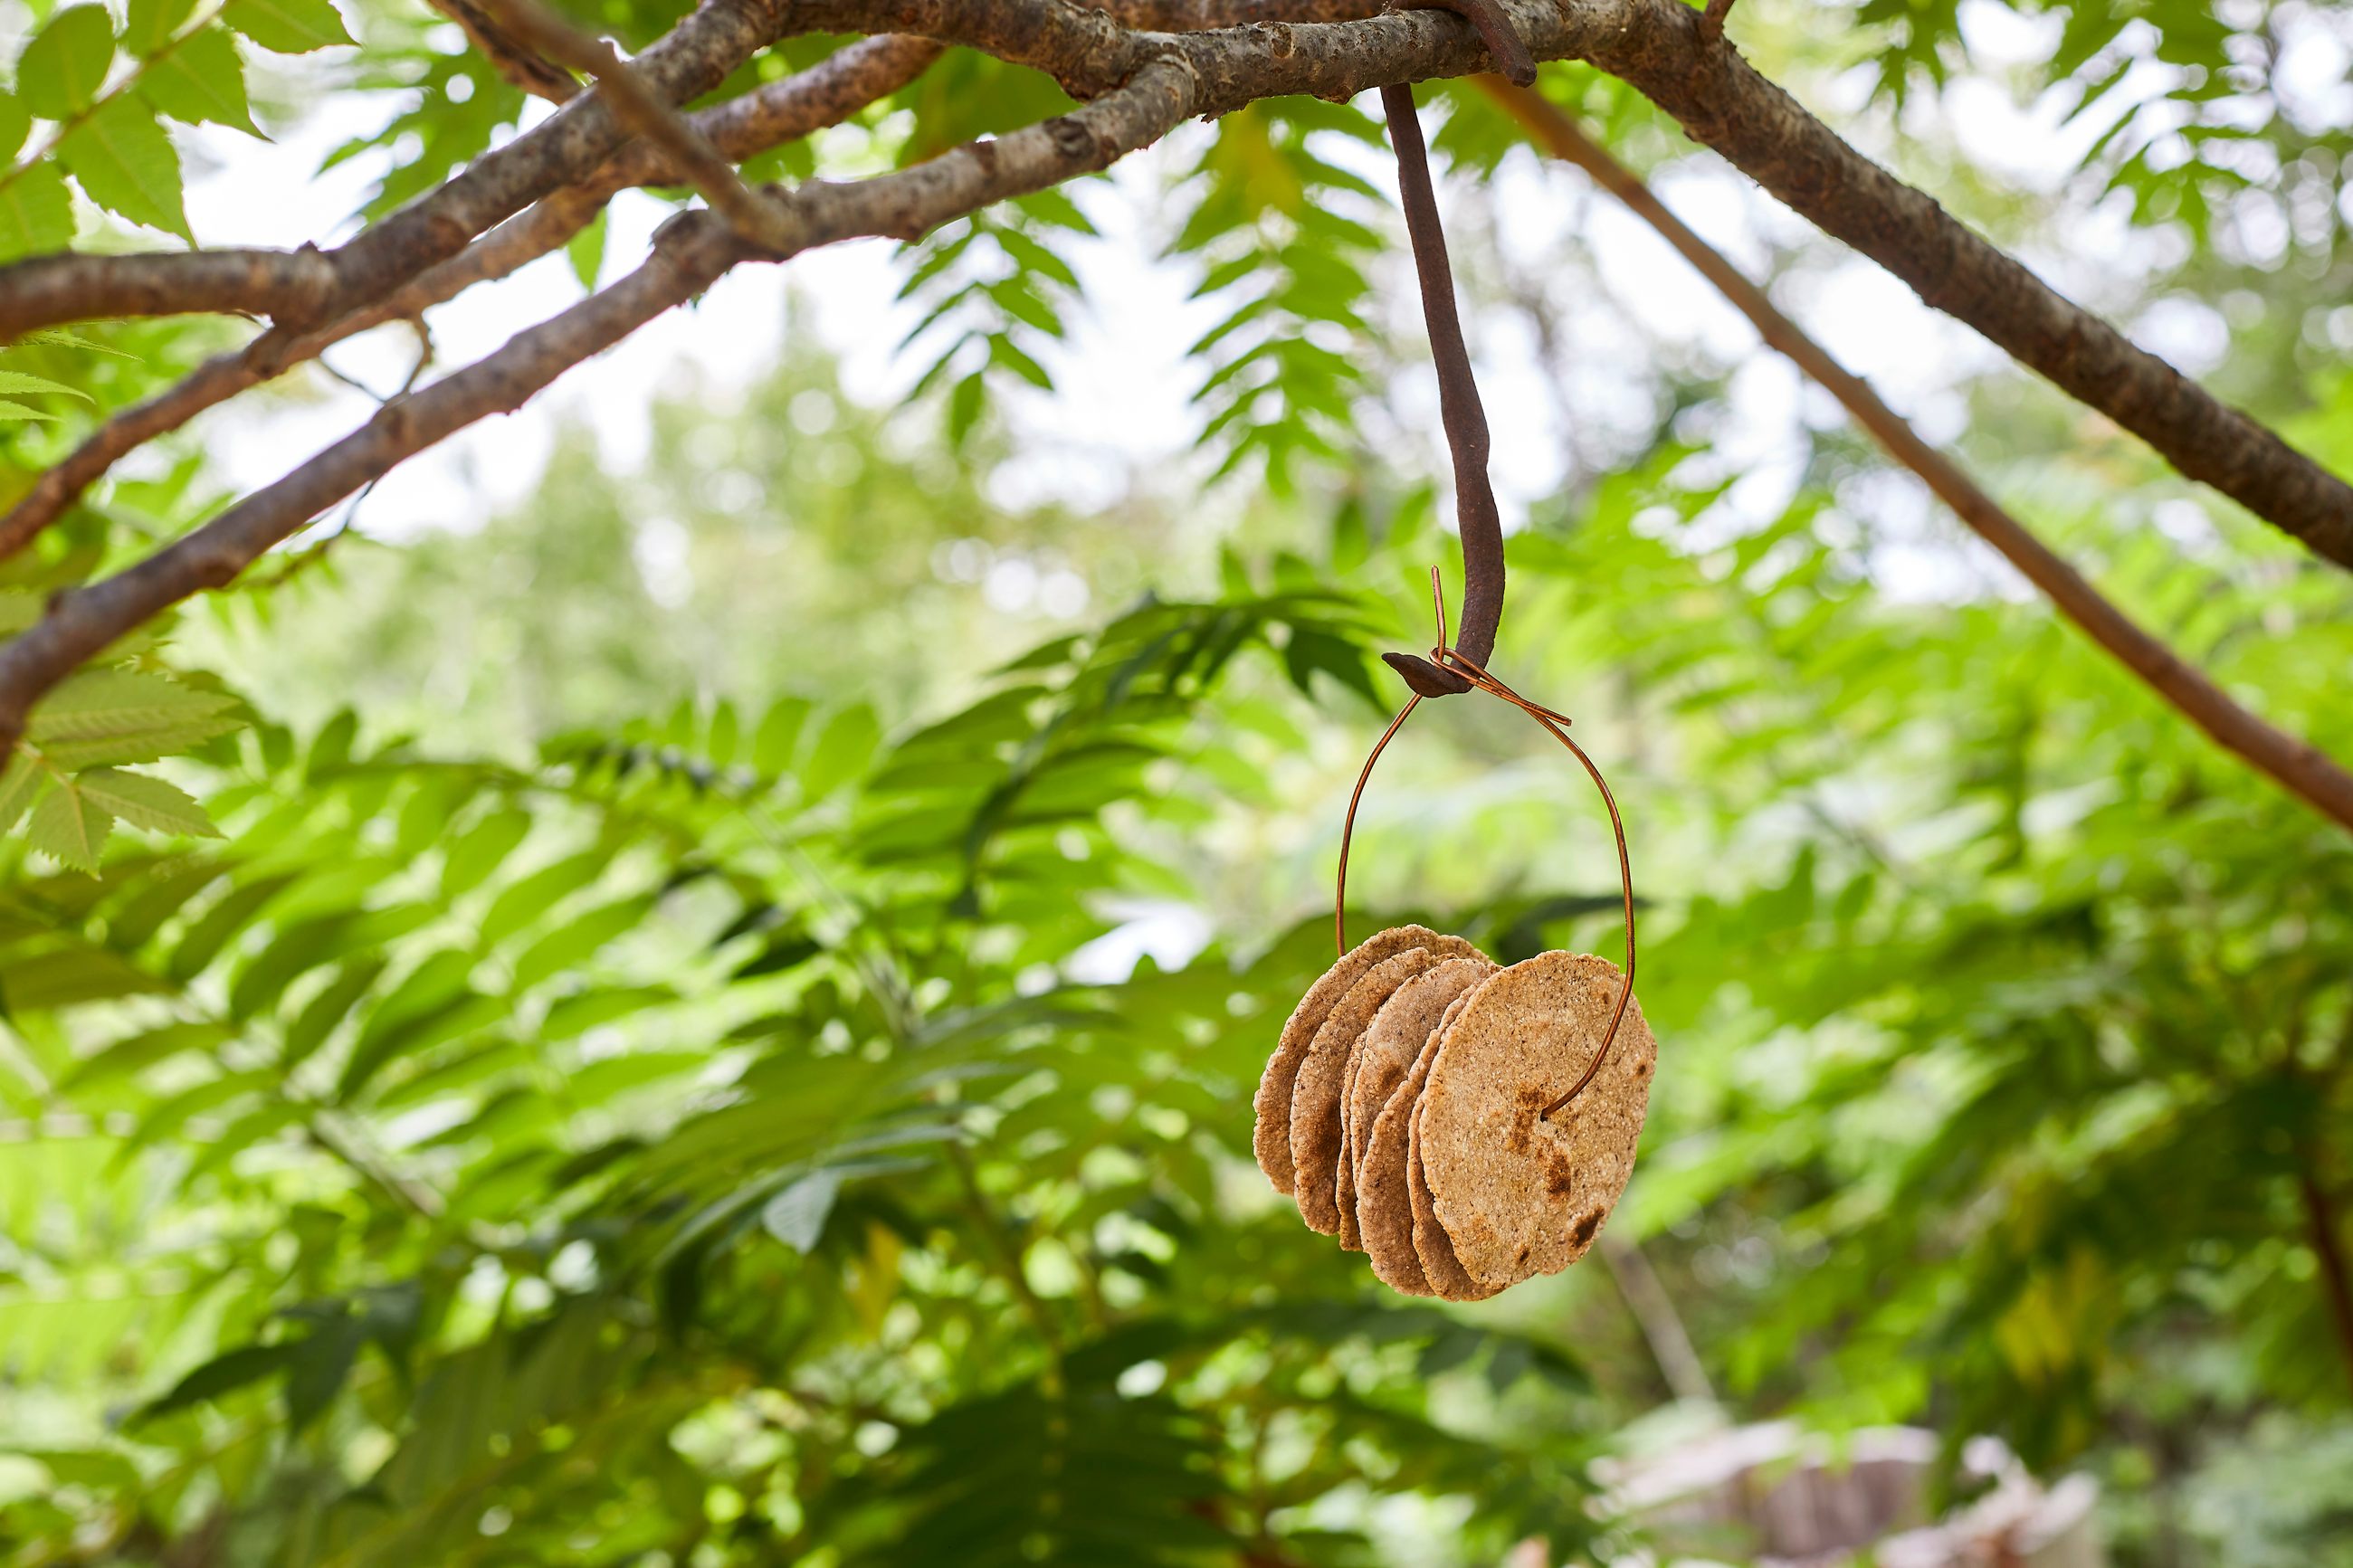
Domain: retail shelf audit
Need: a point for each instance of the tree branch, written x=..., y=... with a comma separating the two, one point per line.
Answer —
x=305, y=287
x=512, y=59
x=693, y=252
x=697, y=163
x=825, y=94
x=1665, y=49
x=1723, y=102
x=1657, y=45
x=2303, y=769
x=1679, y=60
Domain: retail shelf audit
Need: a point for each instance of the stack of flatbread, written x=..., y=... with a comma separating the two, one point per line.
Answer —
x=1403, y=1109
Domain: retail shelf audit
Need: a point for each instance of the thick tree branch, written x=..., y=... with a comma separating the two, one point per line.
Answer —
x=44, y=291
x=1657, y=45
x=305, y=289
x=2303, y=769
x=1678, y=58
x=695, y=250
x=826, y=94
x=1670, y=52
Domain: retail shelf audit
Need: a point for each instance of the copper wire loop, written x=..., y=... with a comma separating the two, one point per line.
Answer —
x=1554, y=724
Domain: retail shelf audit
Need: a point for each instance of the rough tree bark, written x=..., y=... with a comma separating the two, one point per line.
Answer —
x=2295, y=763
x=1145, y=65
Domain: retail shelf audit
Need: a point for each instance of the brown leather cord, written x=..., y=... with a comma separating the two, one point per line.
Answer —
x=1503, y=40
x=1476, y=518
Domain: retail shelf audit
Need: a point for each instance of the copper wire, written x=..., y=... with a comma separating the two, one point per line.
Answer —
x=1555, y=724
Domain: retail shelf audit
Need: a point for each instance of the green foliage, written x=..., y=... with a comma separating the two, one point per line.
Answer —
x=2192, y=96
x=552, y=1119
x=1282, y=233
x=994, y=288
x=105, y=132
x=734, y=1050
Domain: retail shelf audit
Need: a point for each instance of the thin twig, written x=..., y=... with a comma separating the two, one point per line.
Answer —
x=2303, y=769
x=510, y=59
x=2329, y=1248
x=753, y=216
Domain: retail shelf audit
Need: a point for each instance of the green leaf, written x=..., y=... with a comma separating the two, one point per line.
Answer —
x=525, y=900
x=61, y=71
x=59, y=338
x=223, y=1374
x=16, y=123
x=376, y=1046
x=36, y=213
x=320, y=1016
x=780, y=734
x=151, y=22
x=842, y=750
x=19, y=786
x=11, y=409
x=127, y=166
x=320, y=1364
x=578, y=1014
x=607, y=1077
x=18, y=381
x=125, y=716
x=129, y=1055
x=69, y=828
x=201, y=81
x=585, y=250
x=220, y=925
x=578, y=941
x=68, y=976
x=288, y=27
x=148, y=803
x=478, y=850
x=162, y=892
x=966, y=402
x=796, y=1215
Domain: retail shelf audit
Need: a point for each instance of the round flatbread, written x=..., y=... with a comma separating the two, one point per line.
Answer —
x=1518, y=1195
x=1384, y=1200
x=1271, y=1140
x=1384, y=1054
x=1315, y=1098
x=1432, y=1249
x=1400, y=1032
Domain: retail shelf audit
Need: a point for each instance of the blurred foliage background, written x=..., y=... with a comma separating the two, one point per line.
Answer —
x=672, y=1024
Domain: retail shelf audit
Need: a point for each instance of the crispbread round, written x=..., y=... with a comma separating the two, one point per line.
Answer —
x=1517, y=1195
x=1271, y=1138
x=1432, y=1249
x=1383, y=1054
x=1315, y=1098
x=1384, y=1200
x=1400, y=1032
